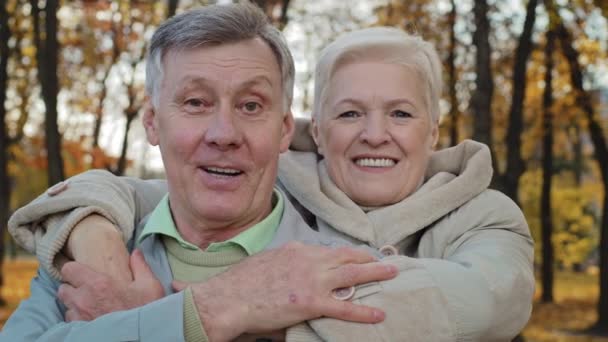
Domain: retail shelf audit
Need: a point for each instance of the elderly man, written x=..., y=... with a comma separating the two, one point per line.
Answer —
x=219, y=85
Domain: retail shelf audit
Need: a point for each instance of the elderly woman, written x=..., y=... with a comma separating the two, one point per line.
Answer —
x=465, y=251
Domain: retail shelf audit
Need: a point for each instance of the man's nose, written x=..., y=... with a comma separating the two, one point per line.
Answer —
x=375, y=131
x=223, y=131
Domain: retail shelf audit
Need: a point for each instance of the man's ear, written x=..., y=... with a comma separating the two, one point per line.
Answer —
x=314, y=128
x=289, y=127
x=150, y=122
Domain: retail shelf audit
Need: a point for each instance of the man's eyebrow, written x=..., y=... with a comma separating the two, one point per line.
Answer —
x=201, y=81
x=194, y=81
x=256, y=80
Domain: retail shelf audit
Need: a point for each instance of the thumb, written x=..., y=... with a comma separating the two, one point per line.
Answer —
x=179, y=285
x=140, y=267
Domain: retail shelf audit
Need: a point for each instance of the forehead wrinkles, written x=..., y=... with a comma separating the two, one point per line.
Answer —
x=228, y=73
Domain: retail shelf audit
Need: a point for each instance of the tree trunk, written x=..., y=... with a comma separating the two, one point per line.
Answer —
x=583, y=99
x=481, y=100
x=547, y=162
x=48, y=53
x=5, y=191
x=122, y=161
x=578, y=155
x=452, y=78
x=172, y=7
x=269, y=6
x=515, y=164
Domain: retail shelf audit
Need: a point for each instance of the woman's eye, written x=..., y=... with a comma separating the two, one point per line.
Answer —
x=349, y=114
x=401, y=114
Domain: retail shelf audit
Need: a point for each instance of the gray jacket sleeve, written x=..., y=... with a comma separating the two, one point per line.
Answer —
x=472, y=281
x=44, y=225
x=40, y=318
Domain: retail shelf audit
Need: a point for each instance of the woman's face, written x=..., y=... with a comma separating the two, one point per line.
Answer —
x=375, y=132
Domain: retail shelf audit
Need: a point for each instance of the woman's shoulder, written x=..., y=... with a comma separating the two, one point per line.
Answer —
x=492, y=208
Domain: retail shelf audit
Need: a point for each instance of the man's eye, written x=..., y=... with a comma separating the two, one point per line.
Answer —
x=401, y=114
x=349, y=114
x=251, y=107
x=194, y=102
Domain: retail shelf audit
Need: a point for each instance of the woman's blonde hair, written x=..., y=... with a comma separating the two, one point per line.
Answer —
x=386, y=45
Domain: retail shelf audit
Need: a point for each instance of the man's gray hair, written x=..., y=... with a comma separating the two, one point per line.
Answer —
x=214, y=25
x=385, y=45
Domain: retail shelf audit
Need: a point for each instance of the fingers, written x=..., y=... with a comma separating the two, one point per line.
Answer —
x=77, y=274
x=66, y=294
x=355, y=274
x=139, y=266
x=348, y=311
x=72, y=315
x=348, y=255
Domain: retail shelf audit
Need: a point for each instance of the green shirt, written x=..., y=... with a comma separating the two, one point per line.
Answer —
x=191, y=264
x=252, y=240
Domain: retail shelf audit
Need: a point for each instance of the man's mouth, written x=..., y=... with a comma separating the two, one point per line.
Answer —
x=222, y=172
x=375, y=162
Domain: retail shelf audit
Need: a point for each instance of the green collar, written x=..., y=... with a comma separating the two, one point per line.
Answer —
x=252, y=240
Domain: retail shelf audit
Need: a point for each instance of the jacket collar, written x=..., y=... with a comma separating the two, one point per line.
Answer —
x=454, y=176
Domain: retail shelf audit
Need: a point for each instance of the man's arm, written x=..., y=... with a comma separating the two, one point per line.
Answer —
x=40, y=318
x=44, y=225
x=266, y=292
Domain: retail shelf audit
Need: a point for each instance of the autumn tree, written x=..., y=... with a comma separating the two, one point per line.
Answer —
x=515, y=166
x=48, y=60
x=5, y=35
x=451, y=64
x=481, y=100
x=547, y=166
x=276, y=10
x=583, y=99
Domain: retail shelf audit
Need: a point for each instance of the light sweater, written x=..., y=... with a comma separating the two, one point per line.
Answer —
x=195, y=266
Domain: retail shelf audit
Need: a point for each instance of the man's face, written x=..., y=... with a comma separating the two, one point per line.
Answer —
x=220, y=124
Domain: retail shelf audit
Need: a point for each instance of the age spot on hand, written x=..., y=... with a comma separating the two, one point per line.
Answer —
x=293, y=298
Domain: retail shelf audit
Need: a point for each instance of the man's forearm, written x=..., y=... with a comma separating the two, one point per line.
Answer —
x=40, y=318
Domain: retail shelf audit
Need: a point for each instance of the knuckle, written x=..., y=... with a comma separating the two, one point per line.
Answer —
x=66, y=269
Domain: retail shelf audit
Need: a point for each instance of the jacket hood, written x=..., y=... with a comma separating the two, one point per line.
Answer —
x=454, y=176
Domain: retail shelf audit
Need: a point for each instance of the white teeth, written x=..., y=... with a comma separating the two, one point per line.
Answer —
x=375, y=162
x=222, y=170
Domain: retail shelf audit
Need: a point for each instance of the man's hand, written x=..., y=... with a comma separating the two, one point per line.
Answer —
x=88, y=294
x=279, y=288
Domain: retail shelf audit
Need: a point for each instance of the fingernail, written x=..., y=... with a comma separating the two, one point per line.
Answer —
x=378, y=315
x=391, y=269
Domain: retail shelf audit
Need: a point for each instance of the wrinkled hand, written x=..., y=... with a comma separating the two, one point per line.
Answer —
x=88, y=294
x=279, y=288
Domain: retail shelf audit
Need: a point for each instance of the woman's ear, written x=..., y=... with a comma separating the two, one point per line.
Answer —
x=434, y=134
x=314, y=132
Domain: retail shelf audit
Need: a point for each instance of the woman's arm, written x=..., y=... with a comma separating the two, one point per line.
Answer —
x=473, y=282
x=97, y=243
x=44, y=225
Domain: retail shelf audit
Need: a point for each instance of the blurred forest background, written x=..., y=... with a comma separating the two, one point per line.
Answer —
x=527, y=77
